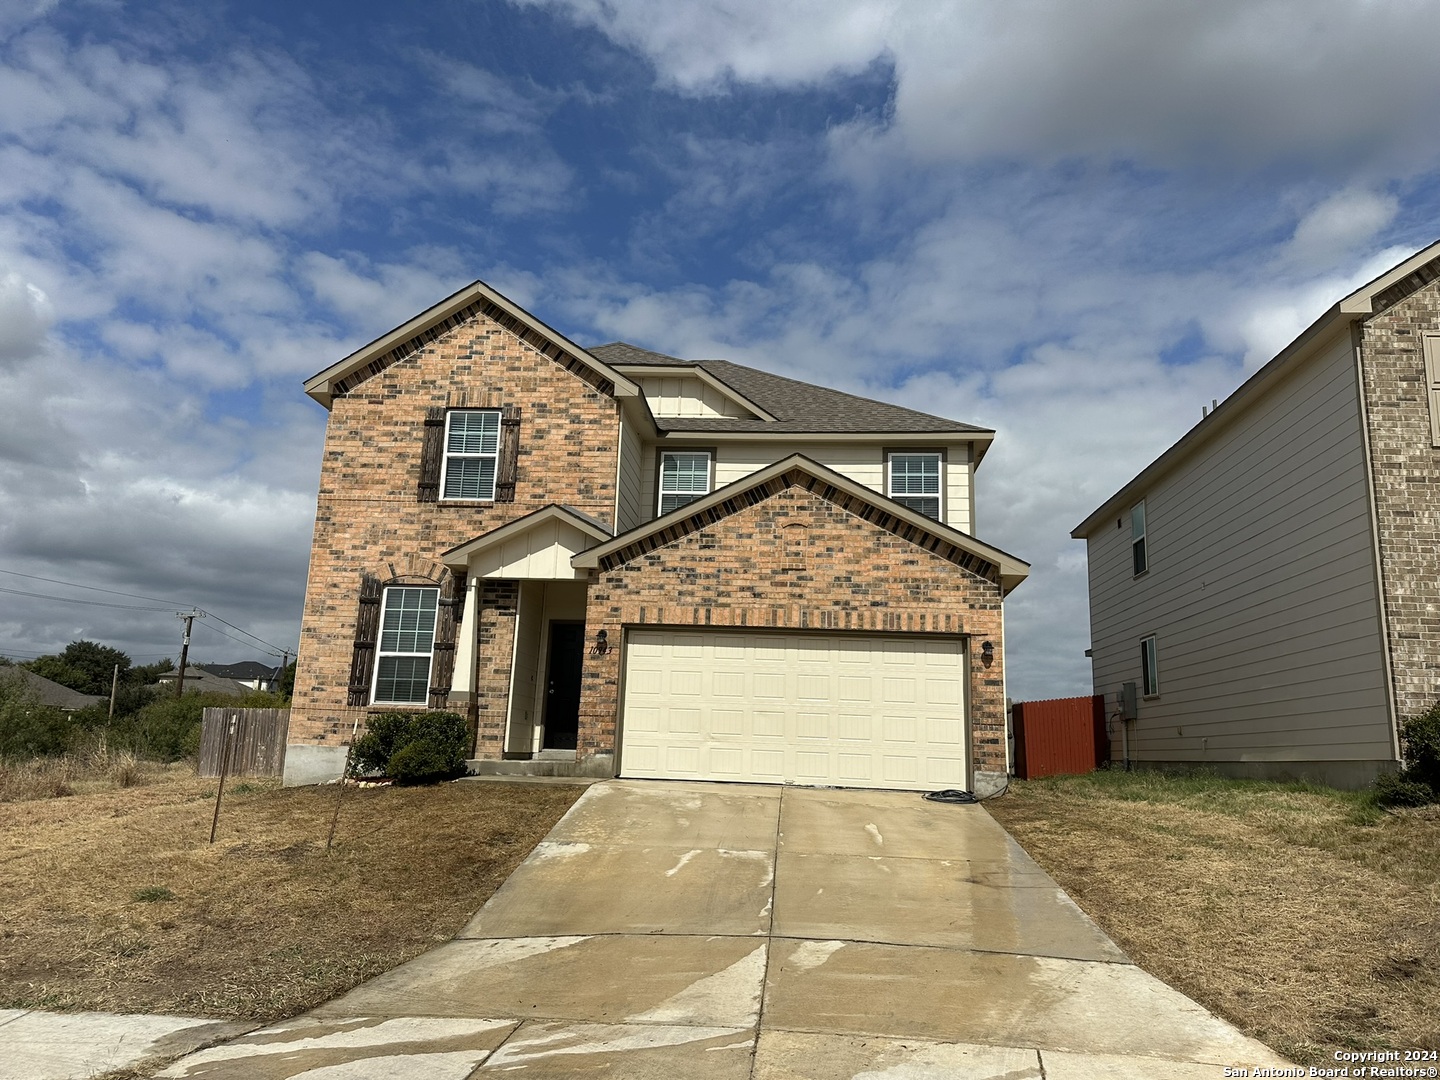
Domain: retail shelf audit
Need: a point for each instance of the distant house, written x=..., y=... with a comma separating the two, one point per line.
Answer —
x=251, y=673
x=1270, y=585
x=48, y=692
x=205, y=680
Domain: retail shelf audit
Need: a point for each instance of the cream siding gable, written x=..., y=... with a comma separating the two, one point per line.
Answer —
x=1261, y=589
x=686, y=395
x=630, y=509
x=542, y=551
x=862, y=462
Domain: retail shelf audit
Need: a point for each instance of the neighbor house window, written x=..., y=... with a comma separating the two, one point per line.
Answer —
x=684, y=477
x=407, y=642
x=1149, y=670
x=472, y=448
x=915, y=482
x=1137, y=538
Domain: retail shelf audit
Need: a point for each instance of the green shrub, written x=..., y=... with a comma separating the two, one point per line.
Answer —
x=27, y=728
x=169, y=727
x=1418, y=783
x=1392, y=789
x=413, y=748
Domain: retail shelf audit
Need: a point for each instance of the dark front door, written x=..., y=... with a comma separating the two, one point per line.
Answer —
x=562, y=686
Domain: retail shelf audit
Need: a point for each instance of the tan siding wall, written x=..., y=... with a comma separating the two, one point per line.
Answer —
x=630, y=508
x=865, y=464
x=1261, y=590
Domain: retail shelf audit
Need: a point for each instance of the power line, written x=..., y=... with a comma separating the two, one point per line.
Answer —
x=92, y=588
x=247, y=633
x=232, y=637
x=73, y=600
x=128, y=607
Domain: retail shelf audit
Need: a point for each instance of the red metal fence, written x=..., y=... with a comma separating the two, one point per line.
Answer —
x=1062, y=735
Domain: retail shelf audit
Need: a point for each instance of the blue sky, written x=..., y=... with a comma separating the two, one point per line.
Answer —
x=1074, y=222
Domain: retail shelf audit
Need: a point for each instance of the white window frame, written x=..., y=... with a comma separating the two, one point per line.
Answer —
x=381, y=653
x=1139, y=546
x=1149, y=667
x=709, y=457
x=938, y=495
x=447, y=454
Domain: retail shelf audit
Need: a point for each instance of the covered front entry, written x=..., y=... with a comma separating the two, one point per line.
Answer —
x=845, y=710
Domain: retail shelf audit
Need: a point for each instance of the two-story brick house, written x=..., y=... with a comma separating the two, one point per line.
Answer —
x=1271, y=583
x=615, y=562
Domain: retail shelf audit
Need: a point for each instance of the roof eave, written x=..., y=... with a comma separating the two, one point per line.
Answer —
x=1012, y=569
x=318, y=386
x=1220, y=417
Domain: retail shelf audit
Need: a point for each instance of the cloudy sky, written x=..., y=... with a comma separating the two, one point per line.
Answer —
x=1072, y=220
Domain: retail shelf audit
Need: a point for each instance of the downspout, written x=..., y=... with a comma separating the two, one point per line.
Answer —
x=1357, y=349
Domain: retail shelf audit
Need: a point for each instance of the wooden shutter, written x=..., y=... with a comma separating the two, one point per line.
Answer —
x=447, y=617
x=432, y=452
x=367, y=633
x=1432, y=384
x=509, y=462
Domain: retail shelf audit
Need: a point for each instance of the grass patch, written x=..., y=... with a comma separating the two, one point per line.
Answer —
x=264, y=923
x=1308, y=917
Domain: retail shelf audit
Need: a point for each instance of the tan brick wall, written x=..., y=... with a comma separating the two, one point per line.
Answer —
x=368, y=518
x=498, y=606
x=744, y=571
x=1406, y=471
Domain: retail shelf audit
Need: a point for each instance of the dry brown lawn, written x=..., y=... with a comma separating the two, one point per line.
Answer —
x=1304, y=916
x=112, y=898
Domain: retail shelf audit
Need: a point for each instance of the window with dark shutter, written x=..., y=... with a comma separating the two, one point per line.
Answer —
x=431, y=454
x=367, y=628
x=509, y=454
x=452, y=598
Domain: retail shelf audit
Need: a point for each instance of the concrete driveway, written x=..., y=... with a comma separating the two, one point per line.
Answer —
x=720, y=931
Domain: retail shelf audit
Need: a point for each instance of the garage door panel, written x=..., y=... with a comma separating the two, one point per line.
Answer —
x=839, y=709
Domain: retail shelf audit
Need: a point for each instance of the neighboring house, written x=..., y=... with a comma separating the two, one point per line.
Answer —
x=47, y=691
x=1271, y=583
x=250, y=673
x=204, y=679
x=615, y=562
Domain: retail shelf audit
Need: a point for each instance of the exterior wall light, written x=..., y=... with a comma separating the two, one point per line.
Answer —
x=987, y=653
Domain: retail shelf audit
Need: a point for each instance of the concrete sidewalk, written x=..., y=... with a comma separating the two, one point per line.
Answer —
x=717, y=931
x=75, y=1046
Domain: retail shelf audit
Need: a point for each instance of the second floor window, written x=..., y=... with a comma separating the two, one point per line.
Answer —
x=1138, y=555
x=1149, y=667
x=684, y=477
x=407, y=644
x=915, y=482
x=472, y=448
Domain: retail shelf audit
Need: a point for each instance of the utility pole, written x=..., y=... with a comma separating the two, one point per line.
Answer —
x=189, y=617
x=114, y=682
x=284, y=663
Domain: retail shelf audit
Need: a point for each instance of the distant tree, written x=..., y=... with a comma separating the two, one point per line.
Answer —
x=287, y=681
x=84, y=666
x=145, y=674
x=27, y=728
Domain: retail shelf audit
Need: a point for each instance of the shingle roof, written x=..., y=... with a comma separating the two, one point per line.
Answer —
x=798, y=407
x=47, y=691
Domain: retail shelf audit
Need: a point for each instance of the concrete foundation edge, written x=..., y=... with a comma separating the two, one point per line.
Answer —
x=306, y=763
x=1349, y=775
x=988, y=783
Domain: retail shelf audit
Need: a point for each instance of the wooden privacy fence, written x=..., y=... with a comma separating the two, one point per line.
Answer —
x=257, y=748
x=1062, y=735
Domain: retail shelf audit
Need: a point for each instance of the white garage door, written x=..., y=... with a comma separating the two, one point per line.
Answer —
x=843, y=710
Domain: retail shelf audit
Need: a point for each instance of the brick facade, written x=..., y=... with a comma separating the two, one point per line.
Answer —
x=369, y=518
x=795, y=561
x=1405, y=469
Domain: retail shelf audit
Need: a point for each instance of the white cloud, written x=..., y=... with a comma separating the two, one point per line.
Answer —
x=1250, y=81
x=25, y=316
